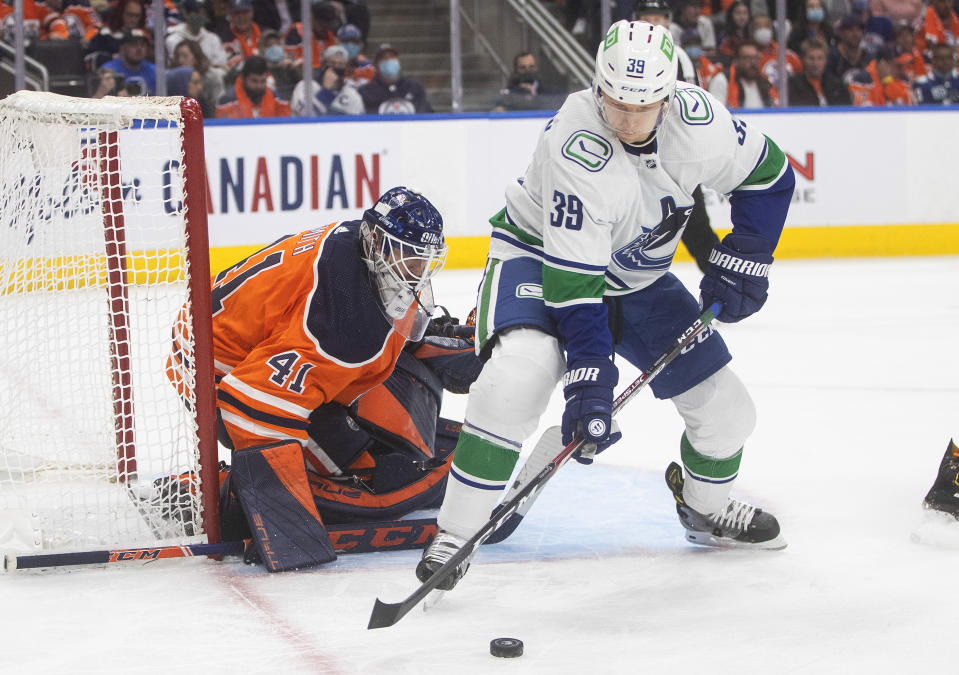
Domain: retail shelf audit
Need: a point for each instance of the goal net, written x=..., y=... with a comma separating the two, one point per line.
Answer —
x=104, y=443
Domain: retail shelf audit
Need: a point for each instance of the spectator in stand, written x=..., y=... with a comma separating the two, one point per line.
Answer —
x=898, y=11
x=883, y=82
x=355, y=13
x=847, y=53
x=218, y=16
x=283, y=74
x=525, y=91
x=124, y=16
x=359, y=69
x=33, y=15
x=241, y=37
x=658, y=13
x=105, y=84
x=273, y=15
x=331, y=94
x=188, y=53
x=941, y=85
x=814, y=86
x=878, y=31
x=690, y=16
x=748, y=87
x=192, y=28
x=735, y=31
x=185, y=81
x=132, y=65
x=325, y=21
x=250, y=97
x=763, y=31
x=940, y=25
x=910, y=55
x=710, y=75
x=69, y=20
x=390, y=93
x=812, y=24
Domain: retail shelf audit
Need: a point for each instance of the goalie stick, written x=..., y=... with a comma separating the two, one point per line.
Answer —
x=395, y=535
x=387, y=614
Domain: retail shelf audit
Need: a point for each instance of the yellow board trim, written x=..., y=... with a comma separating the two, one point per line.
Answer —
x=797, y=242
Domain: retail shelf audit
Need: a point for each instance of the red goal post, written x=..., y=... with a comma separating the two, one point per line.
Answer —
x=104, y=260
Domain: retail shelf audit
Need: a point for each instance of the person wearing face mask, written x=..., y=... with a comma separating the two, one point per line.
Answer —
x=524, y=90
x=283, y=74
x=389, y=92
x=359, y=69
x=811, y=24
x=762, y=32
x=325, y=21
x=194, y=28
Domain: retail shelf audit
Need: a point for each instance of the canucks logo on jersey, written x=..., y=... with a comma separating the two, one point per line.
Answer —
x=654, y=248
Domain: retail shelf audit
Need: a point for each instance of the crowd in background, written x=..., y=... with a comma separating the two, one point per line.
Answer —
x=238, y=58
x=838, y=52
x=244, y=58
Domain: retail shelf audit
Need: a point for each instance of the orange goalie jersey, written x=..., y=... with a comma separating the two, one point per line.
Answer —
x=295, y=325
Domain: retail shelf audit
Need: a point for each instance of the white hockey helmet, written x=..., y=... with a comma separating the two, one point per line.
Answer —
x=636, y=65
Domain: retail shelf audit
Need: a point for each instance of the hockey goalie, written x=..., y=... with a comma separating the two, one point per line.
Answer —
x=329, y=372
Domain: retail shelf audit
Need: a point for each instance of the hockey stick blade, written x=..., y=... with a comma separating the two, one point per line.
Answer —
x=550, y=443
x=387, y=614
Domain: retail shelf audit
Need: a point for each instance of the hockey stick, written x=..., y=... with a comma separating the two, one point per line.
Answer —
x=387, y=614
x=395, y=535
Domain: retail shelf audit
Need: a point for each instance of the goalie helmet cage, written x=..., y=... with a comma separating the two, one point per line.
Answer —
x=106, y=368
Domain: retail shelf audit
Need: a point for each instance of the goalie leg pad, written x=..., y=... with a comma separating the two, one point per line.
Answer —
x=399, y=485
x=271, y=483
x=719, y=415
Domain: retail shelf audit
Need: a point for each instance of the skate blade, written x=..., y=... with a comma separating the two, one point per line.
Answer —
x=434, y=598
x=707, y=539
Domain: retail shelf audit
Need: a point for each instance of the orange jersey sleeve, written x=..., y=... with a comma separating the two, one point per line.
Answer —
x=296, y=325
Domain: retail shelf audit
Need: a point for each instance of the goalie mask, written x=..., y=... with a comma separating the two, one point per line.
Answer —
x=635, y=78
x=403, y=247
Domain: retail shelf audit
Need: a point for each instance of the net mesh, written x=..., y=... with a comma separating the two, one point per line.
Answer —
x=97, y=446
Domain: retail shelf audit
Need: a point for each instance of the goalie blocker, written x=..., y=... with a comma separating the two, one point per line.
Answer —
x=395, y=448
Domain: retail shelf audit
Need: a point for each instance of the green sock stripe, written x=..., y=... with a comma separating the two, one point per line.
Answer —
x=708, y=467
x=482, y=459
x=485, y=306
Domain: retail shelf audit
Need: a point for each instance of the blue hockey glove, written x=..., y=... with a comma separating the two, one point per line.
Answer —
x=738, y=276
x=588, y=388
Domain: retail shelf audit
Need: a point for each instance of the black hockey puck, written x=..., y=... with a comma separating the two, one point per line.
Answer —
x=507, y=648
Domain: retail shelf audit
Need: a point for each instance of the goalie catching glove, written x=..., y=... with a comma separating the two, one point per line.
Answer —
x=738, y=276
x=588, y=388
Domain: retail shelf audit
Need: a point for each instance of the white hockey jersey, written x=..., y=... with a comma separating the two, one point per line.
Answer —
x=606, y=218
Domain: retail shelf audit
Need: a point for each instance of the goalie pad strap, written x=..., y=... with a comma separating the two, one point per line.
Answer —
x=271, y=484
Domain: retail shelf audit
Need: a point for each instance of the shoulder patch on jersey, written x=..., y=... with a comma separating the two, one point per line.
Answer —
x=587, y=149
x=694, y=107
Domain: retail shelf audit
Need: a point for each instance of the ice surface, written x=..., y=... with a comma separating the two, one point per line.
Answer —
x=855, y=372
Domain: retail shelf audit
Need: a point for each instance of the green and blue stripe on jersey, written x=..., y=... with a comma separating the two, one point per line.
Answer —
x=572, y=293
x=760, y=203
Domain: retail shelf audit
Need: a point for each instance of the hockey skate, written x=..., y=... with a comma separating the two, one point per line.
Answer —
x=944, y=493
x=739, y=525
x=443, y=547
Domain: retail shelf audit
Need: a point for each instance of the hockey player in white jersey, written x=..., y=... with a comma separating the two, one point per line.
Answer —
x=578, y=272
